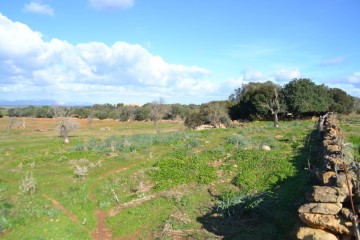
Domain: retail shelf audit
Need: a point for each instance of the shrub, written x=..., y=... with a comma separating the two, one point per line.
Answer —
x=28, y=184
x=194, y=120
x=239, y=141
x=234, y=206
x=192, y=143
x=81, y=171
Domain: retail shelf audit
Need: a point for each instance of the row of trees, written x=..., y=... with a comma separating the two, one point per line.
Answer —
x=110, y=111
x=298, y=98
x=213, y=113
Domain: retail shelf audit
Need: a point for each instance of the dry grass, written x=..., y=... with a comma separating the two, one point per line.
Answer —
x=103, y=128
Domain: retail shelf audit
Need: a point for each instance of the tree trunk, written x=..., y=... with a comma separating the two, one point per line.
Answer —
x=156, y=126
x=64, y=133
x=276, y=120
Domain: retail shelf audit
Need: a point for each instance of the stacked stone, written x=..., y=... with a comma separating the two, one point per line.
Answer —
x=327, y=214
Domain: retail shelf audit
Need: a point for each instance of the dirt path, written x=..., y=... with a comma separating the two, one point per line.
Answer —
x=70, y=215
x=102, y=232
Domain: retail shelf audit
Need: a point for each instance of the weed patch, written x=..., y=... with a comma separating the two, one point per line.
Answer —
x=178, y=168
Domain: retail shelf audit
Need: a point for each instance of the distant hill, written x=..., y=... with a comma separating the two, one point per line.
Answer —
x=40, y=102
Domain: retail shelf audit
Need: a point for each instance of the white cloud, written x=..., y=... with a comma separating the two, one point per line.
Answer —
x=285, y=75
x=280, y=76
x=111, y=4
x=91, y=72
x=354, y=78
x=254, y=76
x=38, y=8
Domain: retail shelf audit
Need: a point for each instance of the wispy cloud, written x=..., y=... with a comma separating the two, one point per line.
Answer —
x=38, y=8
x=111, y=4
x=332, y=61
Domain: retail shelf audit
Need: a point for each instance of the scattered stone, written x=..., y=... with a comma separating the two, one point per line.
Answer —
x=203, y=127
x=306, y=233
x=266, y=148
x=112, y=154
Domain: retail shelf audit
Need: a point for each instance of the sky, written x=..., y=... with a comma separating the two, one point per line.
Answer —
x=184, y=51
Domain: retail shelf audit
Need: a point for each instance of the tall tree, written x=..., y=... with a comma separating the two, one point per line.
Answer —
x=252, y=99
x=304, y=97
x=341, y=101
x=274, y=106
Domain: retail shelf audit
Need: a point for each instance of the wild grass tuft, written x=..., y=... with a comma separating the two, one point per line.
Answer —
x=28, y=184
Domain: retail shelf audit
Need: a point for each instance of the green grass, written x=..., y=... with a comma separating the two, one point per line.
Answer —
x=186, y=177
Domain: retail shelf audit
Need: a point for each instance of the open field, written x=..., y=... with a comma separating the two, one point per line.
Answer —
x=123, y=181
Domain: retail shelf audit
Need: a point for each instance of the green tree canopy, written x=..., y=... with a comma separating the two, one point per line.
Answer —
x=304, y=97
x=341, y=101
x=252, y=99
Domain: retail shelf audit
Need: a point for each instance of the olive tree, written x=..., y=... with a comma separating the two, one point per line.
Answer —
x=63, y=116
x=157, y=111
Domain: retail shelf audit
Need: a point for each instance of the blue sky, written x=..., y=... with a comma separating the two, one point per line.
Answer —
x=135, y=51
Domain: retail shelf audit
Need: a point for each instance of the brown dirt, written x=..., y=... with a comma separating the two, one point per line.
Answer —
x=70, y=215
x=101, y=232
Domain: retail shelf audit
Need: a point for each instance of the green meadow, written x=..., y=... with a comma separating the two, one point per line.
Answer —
x=119, y=180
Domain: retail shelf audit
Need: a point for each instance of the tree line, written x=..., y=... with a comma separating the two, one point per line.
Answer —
x=252, y=101
x=298, y=98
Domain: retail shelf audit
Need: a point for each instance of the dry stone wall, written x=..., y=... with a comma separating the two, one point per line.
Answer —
x=330, y=213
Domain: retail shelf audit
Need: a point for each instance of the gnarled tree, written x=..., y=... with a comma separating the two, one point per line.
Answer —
x=63, y=115
x=157, y=110
x=274, y=106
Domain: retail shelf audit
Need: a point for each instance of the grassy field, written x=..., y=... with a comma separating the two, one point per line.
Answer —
x=123, y=181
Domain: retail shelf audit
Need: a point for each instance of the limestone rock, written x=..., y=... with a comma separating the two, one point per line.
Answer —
x=306, y=233
x=326, y=176
x=333, y=223
x=327, y=194
x=322, y=208
x=346, y=213
x=203, y=127
x=333, y=148
x=341, y=180
x=266, y=148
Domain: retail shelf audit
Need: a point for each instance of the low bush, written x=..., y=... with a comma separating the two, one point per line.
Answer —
x=239, y=141
x=28, y=184
x=234, y=206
